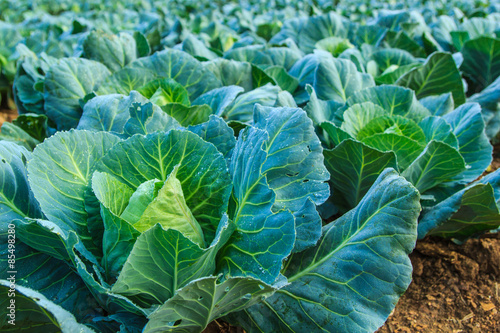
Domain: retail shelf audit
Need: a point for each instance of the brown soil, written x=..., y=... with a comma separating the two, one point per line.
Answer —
x=7, y=115
x=455, y=288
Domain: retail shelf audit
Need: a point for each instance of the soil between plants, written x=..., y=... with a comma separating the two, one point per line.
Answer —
x=455, y=288
x=7, y=115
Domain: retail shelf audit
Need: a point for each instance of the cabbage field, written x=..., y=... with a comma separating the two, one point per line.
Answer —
x=267, y=164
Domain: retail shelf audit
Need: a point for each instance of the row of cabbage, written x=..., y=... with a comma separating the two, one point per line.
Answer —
x=224, y=165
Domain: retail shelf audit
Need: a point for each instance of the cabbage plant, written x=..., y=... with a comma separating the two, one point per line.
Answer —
x=159, y=228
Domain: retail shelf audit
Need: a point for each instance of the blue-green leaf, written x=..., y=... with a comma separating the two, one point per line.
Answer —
x=332, y=290
x=219, y=99
x=66, y=82
x=438, y=163
x=118, y=239
x=109, y=113
x=114, y=51
x=339, y=79
x=242, y=107
x=466, y=213
x=52, y=277
x=436, y=128
x=481, y=61
x=354, y=167
x=438, y=75
x=262, y=238
x=16, y=198
x=217, y=132
x=35, y=312
x=438, y=105
x=294, y=165
x=148, y=118
x=60, y=172
x=396, y=100
x=473, y=144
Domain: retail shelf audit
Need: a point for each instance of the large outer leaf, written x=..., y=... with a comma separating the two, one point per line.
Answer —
x=466, y=213
x=114, y=51
x=294, y=165
x=438, y=163
x=204, y=300
x=438, y=75
x=338, y=79
x=109, y=112
x=34, y=312
x=62, y=283
x=66, y=82
x=59, y=174
x=304, y=69
x=52, y=277
x=354, y=167
x=197, y=48
x=151, y=277
x=282, y=78
x=474, y=146
x=12, y=133
x=181, y=67
x=352, y=279
x=488, y=99
x=481, y=61
x=16, y=197
x=202, y=172
x=231, y=72
x=262, y=238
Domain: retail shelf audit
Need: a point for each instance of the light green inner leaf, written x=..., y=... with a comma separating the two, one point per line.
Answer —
x=169, y=208
x=140, y=200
